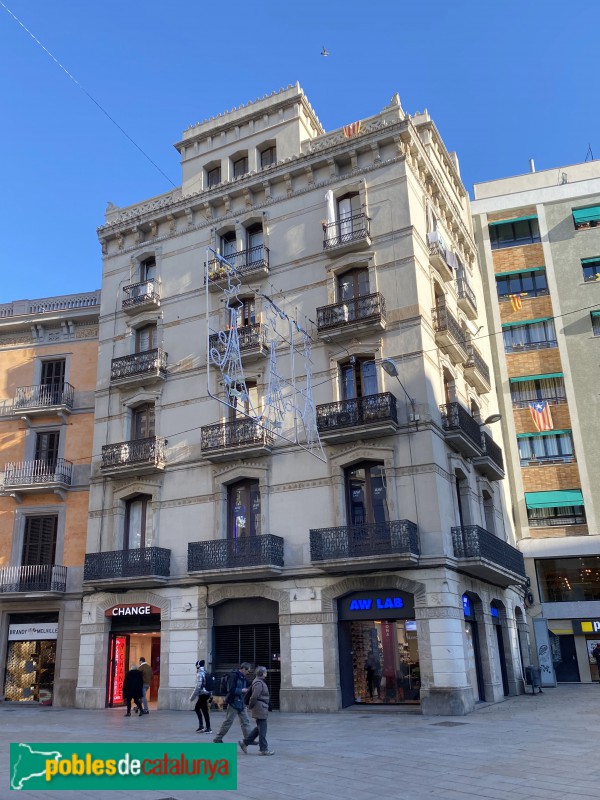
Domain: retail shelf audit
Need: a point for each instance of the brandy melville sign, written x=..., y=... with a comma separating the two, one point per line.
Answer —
x=30, y=631
x=132, y=610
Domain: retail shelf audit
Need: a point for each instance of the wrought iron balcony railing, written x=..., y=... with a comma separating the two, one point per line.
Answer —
x=465, y=292
x=492, y=450
x=397, y=537
x=139, y=364
x=541, y=461
x=553, y=401
x=445, y=322
x=367, y=410
x=455, y=418
x=475, y=361
x=138, y=293
x=137, y=563
x=243, y=262
x=238, y=433
x=521, y=347
x=36, y=578
x=248, y=551
x=31, y=473
x=31, y=397
x=357, y=309
x=472, y=541
x=553, y=522
x=346, y=230
x=250, y=337
x=136, y=452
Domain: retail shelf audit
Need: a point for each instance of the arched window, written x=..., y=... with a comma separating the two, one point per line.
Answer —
x=243, y=503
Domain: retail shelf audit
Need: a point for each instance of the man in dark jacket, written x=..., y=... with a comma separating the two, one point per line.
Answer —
x=236, y=689
x=147, y=676
x=133, y=687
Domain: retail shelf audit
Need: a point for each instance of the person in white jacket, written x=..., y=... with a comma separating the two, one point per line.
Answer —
x=203, y=695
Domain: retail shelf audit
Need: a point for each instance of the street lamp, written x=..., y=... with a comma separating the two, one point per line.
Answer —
x=491, y=419
x=390, y=367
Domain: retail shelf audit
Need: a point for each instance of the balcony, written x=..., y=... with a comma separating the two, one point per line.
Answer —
x=441, y=258
x=351, y=548
x=449, y=335
x=143, y=566
x=348, y=234
x=141, y=296
x=45, y=579
x=135, y=457
x=31, y=401
x=485, y=556
x=252, y=262
x=348, y=318
x=37, y=477
x=490, y=463
x=461, y=431
x=252, y=339
x=466, y=298
x=249, y=557
x=477, y=372
x=139, y=369
x=373, y=415
x=228, y=440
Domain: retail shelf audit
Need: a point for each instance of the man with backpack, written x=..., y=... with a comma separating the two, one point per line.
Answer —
x=236, y=689
x=201, y=692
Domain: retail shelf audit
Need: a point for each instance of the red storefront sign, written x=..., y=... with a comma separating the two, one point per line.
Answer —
x=131, y=610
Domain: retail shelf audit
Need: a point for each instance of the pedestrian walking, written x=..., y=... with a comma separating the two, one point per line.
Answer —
x=203, y=699
x=259, y=705
x=133, y=687
x=236, y=689
x=596, y=655
x=146, y=671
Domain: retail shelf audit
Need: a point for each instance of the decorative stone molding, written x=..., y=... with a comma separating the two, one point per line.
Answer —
x=330, y=594
x=314, y=618
x=240, y=591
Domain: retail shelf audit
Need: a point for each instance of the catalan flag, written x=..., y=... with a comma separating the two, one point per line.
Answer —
x=352, y=130
x=515, y=301
x=541, y=416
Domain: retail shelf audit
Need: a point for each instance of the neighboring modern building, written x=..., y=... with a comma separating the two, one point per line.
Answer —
x=385, y=573
x=48, y=357
x=539, y=241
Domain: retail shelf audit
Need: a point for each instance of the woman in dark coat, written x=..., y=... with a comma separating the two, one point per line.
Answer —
x=133, y=688
x=259, y=708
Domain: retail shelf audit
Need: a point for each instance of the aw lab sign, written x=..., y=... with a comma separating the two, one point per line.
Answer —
x=384, y=604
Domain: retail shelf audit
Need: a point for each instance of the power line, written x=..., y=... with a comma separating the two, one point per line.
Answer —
x=84, y=90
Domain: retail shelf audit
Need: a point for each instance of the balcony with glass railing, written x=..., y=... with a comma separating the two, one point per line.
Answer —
x=349, y=548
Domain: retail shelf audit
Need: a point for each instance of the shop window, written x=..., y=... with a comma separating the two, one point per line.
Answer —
x=138, y=523
x=588, y=217
x=145, y=339
x=568, y=579
x=39, y=541
x=545, y=448
x=591, y=269
x=29, y=675
x=143, y=422
x=526, y=284
x=358, y=378
x=534, y=335
x=550, y=388
x=366, y=493
x=243, y=502
x=512, y=233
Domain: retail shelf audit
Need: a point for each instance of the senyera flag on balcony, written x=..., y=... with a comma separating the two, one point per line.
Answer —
x=515, y=301
x=541, y=416
x=352, y=130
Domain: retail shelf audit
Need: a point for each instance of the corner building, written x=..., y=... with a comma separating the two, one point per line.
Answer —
x=384, y=574
x=539, y=242
x=48, y=357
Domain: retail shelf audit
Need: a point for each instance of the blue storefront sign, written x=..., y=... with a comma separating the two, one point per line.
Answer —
x=385, y=604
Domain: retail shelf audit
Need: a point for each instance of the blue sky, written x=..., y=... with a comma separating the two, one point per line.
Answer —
x=504, y=83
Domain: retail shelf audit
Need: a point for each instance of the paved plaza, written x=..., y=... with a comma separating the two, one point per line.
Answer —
x=529, y=747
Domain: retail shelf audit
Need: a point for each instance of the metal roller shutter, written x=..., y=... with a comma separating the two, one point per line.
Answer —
x=256, y=643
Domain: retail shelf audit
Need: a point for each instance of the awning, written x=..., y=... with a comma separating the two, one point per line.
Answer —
x=582, y=215
x=537, y=377
x=519, y=271
x=566, y=497
x=590, y=260
x=542, y=433
x=514, y=219
x=595, y=313
x=525, y=322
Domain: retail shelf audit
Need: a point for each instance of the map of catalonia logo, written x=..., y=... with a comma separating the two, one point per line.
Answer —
x=116, y=765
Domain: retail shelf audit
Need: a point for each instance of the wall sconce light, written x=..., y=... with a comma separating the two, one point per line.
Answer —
x=187, y=607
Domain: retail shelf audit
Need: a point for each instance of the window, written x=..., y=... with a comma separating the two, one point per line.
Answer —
x=213, y=176
x=348, y=209
x=555, y=446
x=255, y=239
x=148, y=269
x=245, y=405
x=534, y=335
x=53, y=380
x=145, y=339
x=366, y=494
x=541, y=387
x=354, y=283
x=488, y=511
x=595, y=323
x=568, y=579
x=39, y=541
x=557, y=515
x=243, y=509
x=46, y=449
x=143, y=422
x=228, y=244
x=268, y=157
x=245, y=311
x=531, y=283
x=591, y=268
x=240, y=167
x=358, y=378
x=512, y=233
x=588, y=217
x=138, y=522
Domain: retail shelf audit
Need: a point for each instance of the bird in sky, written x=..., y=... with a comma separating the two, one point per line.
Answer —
x=324, y=51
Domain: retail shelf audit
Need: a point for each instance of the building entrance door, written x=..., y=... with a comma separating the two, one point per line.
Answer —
x=126, y=649
x=564, y=658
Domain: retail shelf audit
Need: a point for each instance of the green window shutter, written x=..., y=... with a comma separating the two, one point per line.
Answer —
x=514, y=219
x=589, y=214
x=537, y=377
x=541, y=433
x=566, y=497
x=520, y=271
x=525, y=322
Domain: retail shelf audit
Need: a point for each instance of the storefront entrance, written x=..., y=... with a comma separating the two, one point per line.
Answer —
x=31, y=658
x=564, y=658
x=378, y=647
x=135, y=632
x=474, y=667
